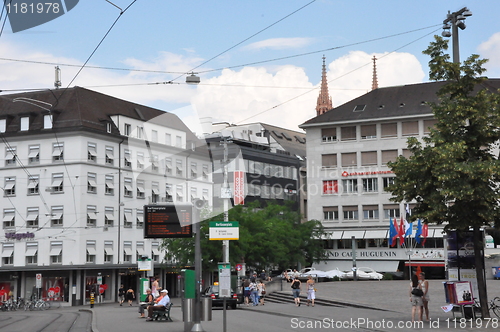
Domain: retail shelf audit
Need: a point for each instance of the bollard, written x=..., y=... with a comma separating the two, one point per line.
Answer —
x=92, y=300
x=206, y=308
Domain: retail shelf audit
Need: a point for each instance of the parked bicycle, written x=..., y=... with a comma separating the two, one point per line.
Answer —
x=493, y=306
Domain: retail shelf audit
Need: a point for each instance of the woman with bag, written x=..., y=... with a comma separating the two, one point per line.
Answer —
x=311, y=291
x=130, y=296
x=296, y=291
x=261, y=287
x=416, y=298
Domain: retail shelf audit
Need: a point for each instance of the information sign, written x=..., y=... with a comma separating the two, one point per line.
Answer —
x=224, y=280
x=224, y=230
x=168, y=221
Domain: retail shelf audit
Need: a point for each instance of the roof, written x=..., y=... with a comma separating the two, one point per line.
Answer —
x=80, y=108
x=290, y=140
x=389, y=102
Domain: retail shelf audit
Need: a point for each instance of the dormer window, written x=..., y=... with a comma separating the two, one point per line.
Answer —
x=47, y=121
x=359, y=108
x=25, y=123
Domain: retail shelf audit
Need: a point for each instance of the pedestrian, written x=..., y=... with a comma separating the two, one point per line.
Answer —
x=296, y=291
x=261, y=287
x=263, y=275
x=416, y=300
x=424, y=284
x=130, y=296
x=254, y=293
x=121, y=294
x=286, y=276
x=155, y=287
x=246, y=291
x=148, y=301
x=311, y=291
x=295, y=274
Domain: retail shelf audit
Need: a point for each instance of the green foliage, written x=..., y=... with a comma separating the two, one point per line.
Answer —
x=453, y=174
x=272, y=236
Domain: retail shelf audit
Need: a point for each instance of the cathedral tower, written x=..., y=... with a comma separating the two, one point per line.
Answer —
x=324, y=103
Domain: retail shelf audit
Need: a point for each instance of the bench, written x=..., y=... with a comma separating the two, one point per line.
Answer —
x=161, y=314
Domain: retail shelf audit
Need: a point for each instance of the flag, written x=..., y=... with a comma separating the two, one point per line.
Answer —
x=401, y=231
x=408, y=226
x=425, y=232
x=419, y=231
x=393, y=233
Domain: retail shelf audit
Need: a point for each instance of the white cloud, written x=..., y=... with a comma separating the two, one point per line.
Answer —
x=279, y=43
x=490, y=49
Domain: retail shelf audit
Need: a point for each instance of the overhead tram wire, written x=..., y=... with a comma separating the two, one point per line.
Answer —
x=315, y=88
x=5, y=18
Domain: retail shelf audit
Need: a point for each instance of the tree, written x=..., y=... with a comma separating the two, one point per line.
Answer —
x=272, y=236
x=454, y=175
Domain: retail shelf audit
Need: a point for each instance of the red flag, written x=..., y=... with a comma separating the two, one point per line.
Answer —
x=393, y=232
x=425, y=232
x=401, y=231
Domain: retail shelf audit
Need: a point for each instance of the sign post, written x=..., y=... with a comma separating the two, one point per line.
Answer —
x=224, y=288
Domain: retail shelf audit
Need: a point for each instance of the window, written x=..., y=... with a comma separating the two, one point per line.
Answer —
x=91, y=152
x=391, y=211
x=168, y=193
x=329, y=160
x=127, y=251
x=348, y=133
x=370, y=212
x=350, y=212
x=9, y=188
x=57, y=182
x=178, y=165
x=91, y=252
x=25, y=123
x=3, y=125
x=127, y=159
x=32, y=215
x=389, y=129
x=349, y=159
x=178, y=141
x=428, y=125
x=407, y=153
x=31, y=253
x=108, y=127
x=389, y=156
x=91, y=216
x=168, y=166
x=140, y=189
x=33, y=186
x=139, y=248
x=368, y=158
x=139, y=218
x=57, y=152
x=330, y=187
x=10, y=156
x=109, y=216
x=140, y=160
x=108, y=251
x=368, y=131
x=9, y=218
x=330, y=213
x=370, y=185
x=56, y=252
x=47, y=121
x=194, y=194
x=154, y=136
x=109, y=185
x=179, y=193
x=329, y=134
x=168, y=139
x=91, y=183
x=127, y=190
x=204, y=195
x=155, y=251
x=8, y=254
x=387, y=181
x=127, y=218
x=409, y=128
x=127, y=129
x=350, y=186
x=155, y=167
x=155, y=192
x=140, y=132
x=56, y=216
x=194, y=170
x=110, y=156
x=34, y=154
x=204, y=172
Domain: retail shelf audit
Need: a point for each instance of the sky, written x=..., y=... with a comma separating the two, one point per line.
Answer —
x=258, y=60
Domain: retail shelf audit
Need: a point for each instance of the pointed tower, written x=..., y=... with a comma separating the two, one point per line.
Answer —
x=324, y=103
x=374, y=79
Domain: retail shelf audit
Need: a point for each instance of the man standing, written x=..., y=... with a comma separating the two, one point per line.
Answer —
x=160, y=306
x=121, y=294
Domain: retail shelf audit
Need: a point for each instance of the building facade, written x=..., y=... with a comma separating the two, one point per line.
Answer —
x=348, y=149
x=77, y=169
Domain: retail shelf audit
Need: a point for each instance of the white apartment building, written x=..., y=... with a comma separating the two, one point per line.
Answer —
x=77, y=168
x=348, y=148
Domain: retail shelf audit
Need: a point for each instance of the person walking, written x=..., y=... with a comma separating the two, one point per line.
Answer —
x=155, y=287
x=130, y=296
x=424, y=285
x=121, y=295
x=296, y=291
x=415, y=299
x=246, y=291
x=311, y=292
x=254, y=293
x=261, y=288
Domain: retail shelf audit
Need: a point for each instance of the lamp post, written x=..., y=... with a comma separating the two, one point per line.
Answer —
x=456, y=19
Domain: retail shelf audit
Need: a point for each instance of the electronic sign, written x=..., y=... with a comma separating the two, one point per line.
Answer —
x=168, y=221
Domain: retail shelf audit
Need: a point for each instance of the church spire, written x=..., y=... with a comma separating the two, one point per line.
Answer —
x=324, y=103
x=374, y=79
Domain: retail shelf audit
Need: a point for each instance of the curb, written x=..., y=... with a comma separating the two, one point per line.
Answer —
x=93, y=326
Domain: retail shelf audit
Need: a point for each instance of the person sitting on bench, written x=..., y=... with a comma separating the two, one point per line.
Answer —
x=162, y=305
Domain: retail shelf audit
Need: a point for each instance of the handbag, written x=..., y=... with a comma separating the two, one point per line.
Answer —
x=417, y=292
x=263, y=292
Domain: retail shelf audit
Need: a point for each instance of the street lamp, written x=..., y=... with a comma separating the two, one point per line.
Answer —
x=456, y=19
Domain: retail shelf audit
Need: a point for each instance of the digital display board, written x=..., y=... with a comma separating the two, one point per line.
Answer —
x=168, y=221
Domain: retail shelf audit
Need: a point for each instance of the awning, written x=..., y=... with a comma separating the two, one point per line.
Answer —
x=424, y=263
x=32, y=217
x=356, y=234
x=9, y=156
x=333, y=235
x=140, y=251
x=110, y=216
x=376, y=234
x=128, y=250
x=109, y=154
x=57, y=152
x=31, y=251
x=9, y=185
x=92, y=183
x=437, y=233
x=91, y=215
x=155, y=164
x=57, y=182
x=108, y=250
x=140, y=189
x=128, y=216
x=140, y=218
x=155, y=250
x=32, y=184
x=56, y=216
x=91, y=250
x=7, y=252
x=55, y=251
x=128, y=187
x=92, y=152
x=110, y=185
x=8, y=217
x=155, y=191
x=33, y=154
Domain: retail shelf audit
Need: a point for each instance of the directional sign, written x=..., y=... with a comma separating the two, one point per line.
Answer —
x=224, y=230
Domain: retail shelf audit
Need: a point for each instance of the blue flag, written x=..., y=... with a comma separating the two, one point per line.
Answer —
x=419, y=231
x=393, y=233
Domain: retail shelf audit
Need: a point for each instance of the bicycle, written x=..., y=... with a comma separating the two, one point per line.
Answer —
x=493, y=306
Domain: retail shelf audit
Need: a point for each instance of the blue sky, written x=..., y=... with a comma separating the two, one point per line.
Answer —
x=173, y=37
